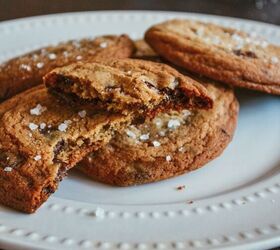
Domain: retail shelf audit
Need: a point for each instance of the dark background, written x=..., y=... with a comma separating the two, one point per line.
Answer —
x=261, y=10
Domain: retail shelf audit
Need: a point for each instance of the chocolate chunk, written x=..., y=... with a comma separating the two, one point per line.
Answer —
x=246, y=53
x=57, y=149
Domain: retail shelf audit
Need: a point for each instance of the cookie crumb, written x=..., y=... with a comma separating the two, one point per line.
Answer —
x=40, y=65
x=181, y=187
x=32, y=126
x=131, y=134
x=103, y=45
x=30, y=135
x=156, y=143
x=168, y=158
x=173, y=124
x=190, y=202
x=37, y=158
x=8, y=169
x=38, y=110
x=144, y=137
x=82, y=113
x=52, y=56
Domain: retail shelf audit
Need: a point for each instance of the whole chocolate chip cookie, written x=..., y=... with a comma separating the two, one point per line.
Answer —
x=21, y=73
x=170, y=144
x=228, y=55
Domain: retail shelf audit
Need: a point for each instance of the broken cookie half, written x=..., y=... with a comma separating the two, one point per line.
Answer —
x=127, y=85
x=41, y=138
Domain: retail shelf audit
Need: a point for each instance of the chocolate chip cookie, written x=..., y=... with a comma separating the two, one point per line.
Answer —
x=128, y=84
x=41, y=138
x=21, y=73
x=170, y=144
x=228, y=55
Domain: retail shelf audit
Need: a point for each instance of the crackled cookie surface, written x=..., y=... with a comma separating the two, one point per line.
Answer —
x=40, y=139
x=21, y=73
x=228, y=55
x=170, y=144
x=128, y=84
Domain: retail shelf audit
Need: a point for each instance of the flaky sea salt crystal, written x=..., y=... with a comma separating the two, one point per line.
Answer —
x=168, y=158
x=79, y=57
x=181, y=149
x=103, y=45
x=173, y=124
x=156, y=143
x=62, y=127
x=32, y=126
x=158, y=122
x=186, y=113
x=144, y=137
x=42, y=125
x=40, y=65
x=82, y=113
x=161, y=133
x=274, y=59
x=131, y=134
x=25, y=67
x=8, y=169
x=38, y=110
x=37, y=158
x=52, y=56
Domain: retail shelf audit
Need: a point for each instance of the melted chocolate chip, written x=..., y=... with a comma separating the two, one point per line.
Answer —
x=62, y=172
x=64, y=80
x=246, y=53
x=57, y=149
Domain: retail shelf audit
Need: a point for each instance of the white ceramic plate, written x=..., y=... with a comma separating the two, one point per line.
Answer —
x=236, y=201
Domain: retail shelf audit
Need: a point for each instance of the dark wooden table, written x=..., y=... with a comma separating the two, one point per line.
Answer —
x=261, y=10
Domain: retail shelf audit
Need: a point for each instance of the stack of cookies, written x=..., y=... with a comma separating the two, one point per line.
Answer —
x=125, y=112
